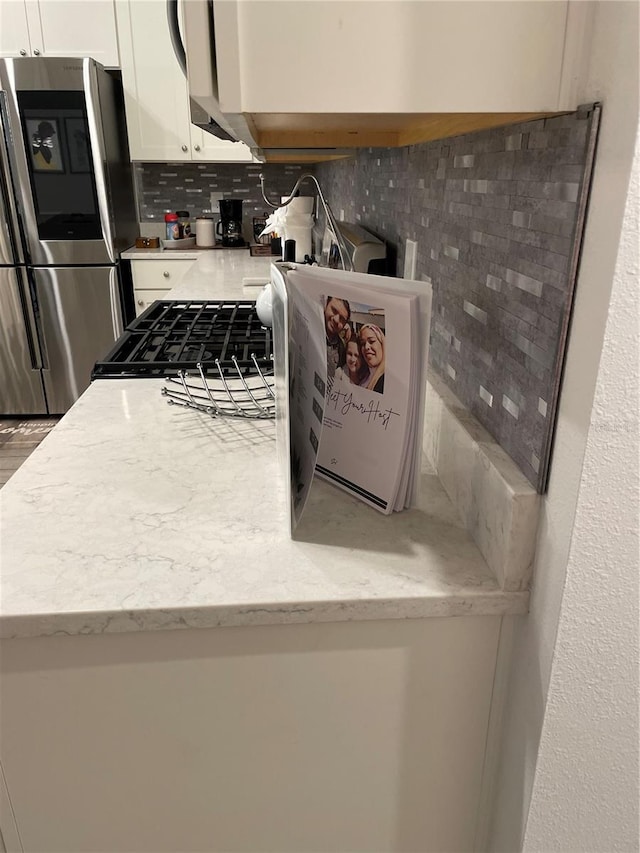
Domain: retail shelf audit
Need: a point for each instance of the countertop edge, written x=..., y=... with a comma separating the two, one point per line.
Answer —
x=496, y=603
x=193, y=253
x=161, y=254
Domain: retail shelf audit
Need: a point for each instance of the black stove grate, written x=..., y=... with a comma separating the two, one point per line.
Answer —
x=177, y=335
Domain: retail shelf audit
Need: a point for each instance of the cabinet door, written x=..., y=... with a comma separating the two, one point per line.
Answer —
x=157, y=95
x=378, y=729
x=70, y=28
x=145, y=298
x=155, y=89
x=14, y=30
x=205, y=146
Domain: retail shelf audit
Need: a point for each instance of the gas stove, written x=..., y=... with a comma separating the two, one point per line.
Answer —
x=178, y=335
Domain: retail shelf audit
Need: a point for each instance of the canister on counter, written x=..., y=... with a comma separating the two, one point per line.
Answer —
x=185, y=222
x=172, y=224
x=205, y=232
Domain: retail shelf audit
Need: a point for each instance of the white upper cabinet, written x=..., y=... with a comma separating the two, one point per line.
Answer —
x=348, y=73
x=59, y=28
x=391, y=56
x=72, y=28
x=156, y=92
x=14, y=29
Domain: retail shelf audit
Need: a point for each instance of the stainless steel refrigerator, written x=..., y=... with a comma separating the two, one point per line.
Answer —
x=67, y=211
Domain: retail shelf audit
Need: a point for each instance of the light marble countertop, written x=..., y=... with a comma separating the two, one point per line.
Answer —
x=137, y=515
x=224, y=275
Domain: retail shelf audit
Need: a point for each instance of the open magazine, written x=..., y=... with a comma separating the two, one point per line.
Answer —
x=351, y=358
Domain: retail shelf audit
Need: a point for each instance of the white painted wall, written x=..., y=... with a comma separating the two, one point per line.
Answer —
x=585, y=794
x=568, y=778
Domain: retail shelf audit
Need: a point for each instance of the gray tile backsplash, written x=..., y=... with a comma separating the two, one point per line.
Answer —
x=162, y=187
x=495, y=215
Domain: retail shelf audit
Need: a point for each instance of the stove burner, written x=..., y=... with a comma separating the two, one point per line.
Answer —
x=177, y=335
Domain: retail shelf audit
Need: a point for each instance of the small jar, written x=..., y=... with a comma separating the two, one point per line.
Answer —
x=172, y=224
x=205, y=232
x=185, y=222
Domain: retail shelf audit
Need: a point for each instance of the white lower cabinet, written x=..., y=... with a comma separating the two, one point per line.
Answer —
x=364, y=736
x=145, y=298
x=153, y=279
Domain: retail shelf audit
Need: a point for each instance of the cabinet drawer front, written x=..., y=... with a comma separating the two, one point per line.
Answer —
x=159, y=275
x=144, y=298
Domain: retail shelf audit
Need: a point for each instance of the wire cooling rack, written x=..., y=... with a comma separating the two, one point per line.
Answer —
x=229, y=394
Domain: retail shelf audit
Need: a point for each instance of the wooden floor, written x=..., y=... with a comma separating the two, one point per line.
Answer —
x=19, y=437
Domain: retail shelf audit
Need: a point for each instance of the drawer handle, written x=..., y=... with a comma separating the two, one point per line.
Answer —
x=140, y=301
x=23, y=52
x=184, y=148
x=197, y=147
x=166, y=274
x=36, y=52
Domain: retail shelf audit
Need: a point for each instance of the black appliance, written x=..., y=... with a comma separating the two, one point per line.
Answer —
x=229, y=228
x=178, y=335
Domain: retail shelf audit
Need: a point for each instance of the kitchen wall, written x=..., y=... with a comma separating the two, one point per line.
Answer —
x=495, y=216
x=188, y=186
x=569, y=771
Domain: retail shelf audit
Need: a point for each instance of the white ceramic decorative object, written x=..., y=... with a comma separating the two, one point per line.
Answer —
x=264, y=305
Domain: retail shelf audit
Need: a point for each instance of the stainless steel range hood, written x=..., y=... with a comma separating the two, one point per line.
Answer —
x=201, y=118
x=241, y=132
x=201, y=76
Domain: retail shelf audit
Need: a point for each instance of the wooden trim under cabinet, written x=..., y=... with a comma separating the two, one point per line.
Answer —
x=367, y=130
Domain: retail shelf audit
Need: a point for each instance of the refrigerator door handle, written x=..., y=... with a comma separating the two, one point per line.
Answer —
x=31, y=313
x=18, y=166
x=116, y=312
x=21, y=380
x=10, y=248
x=98, y=152
x=79, y=322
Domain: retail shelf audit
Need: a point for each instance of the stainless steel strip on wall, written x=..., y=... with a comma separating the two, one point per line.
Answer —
x=595, y=114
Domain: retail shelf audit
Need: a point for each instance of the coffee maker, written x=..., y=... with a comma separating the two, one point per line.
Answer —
x=229, y=228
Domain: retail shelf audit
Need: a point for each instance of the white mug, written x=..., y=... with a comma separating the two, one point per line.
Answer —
x=205, y=232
